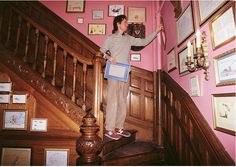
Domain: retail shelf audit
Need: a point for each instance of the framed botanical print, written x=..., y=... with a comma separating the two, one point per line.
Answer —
x=19, y=98
x=98, y=14
x=171, y=60
x=194, y=86
x=135, y=57
x=224, y=108
x=115, y=10
x=75, y=6
x=16, y=156
x=207, y=8
x=56, y=157
x=39, y=124
x=5, y=86
x=181, y=62
x=223, y=26
x=136, y=14
x=96, y=29
x=15, y=119
x=185, y=25
x=225, y=68
x=80, y=20
x=4, y=98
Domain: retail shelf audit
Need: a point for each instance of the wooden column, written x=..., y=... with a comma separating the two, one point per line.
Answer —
x=36, y=49
x=27, y=43
x=54, y=64
x=63, y=89
x=84, y=86
x=18, y=34
x=74, y=79
x=45, y=57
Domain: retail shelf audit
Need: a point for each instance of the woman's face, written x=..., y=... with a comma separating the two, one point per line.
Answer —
x=123, y=26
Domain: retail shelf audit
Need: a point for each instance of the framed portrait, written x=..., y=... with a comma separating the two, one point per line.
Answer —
x=207, y=8
x=4, y=98
x=171, y=60
x=181, y=62
x=115, y=10
x=15, y=119
x=224, y=108
x=5, y=86
x=80, y=20
x=98, y=14
x=136, y=30
x=135, y=57
x=185, y=25
x=39, y=124
x=20, y=99
x=56, y=157
x=97, y=29
x=194, y=86
x=16, y=156
x=222, y=27
x=75, y=6
x=225, y=68
x=136, y=14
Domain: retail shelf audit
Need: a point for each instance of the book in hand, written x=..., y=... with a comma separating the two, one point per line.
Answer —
x=118, y=71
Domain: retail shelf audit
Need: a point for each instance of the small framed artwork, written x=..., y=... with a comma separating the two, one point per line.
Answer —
x=56, y=157
x=39, y=124
x=194, y=86
x=4, y=98
x=171, y=60
x=136, y=15
x=98, y=14
x=75, y=6
x=136, y=30
x=185, y=25
x=222, y=27
x=16, y=156
x=80, y=20
x=225, y=68
x=15, y=119
x=181, y=62
x=20, y=99
x=97, y=29
x=207, y=8
x=135, y=57
x=115, y=10
x=5, y=86
x=224, y=108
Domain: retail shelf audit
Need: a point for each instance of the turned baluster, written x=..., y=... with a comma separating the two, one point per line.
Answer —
x=84, y=86
x=74, y=79
x=54, y=64
x=27, y=42
x=36, y=49
x=63, y=90
x=45, y=56
x=9, y=29
x=18, y=34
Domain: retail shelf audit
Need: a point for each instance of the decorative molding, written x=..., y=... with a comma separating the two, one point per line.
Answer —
x=177, y=8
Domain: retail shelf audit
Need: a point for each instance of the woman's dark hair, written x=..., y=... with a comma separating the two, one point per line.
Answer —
x=117, y=19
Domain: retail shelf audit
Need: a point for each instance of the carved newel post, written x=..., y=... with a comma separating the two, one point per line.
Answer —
x=89, y=144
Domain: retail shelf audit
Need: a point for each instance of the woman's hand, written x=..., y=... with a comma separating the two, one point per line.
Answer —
x=159, y=28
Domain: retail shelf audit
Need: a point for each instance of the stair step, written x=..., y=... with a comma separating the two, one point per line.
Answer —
x=110, y=145
x=136, y=153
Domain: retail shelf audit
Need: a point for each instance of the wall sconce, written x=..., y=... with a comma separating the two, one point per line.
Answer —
x=199, y=53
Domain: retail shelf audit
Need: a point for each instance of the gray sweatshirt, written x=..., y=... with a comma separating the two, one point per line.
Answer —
x=119, y=45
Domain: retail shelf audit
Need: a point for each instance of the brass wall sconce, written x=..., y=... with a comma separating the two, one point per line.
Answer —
x=197, y=57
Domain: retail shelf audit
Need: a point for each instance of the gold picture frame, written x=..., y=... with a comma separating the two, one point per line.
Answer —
x=225, y=68
x=16, y=156
x=96, y=29
x=56, y=157
x=223, y=25
x=224, y=108
x=171, y=60
x=75, y=6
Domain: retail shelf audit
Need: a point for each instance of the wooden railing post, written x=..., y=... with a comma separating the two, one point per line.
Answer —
x=9, y=29
x=18, y=34
x=27, y=42
x=36, y=49
x=84, y=86
x=54, y=64
x=73, y=98
x=63, y=89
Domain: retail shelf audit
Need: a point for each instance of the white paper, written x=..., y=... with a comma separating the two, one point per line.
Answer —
x=39, y=124
x=19, y=98
x=117, y=71
x=4, y=99
x=5, y=87
x=56, y=158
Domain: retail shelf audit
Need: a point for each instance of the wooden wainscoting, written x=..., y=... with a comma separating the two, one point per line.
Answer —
x=188, y=138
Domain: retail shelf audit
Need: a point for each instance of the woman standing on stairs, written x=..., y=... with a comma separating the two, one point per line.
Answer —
x=118, y=45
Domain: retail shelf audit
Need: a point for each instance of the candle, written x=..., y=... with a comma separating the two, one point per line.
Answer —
x=189, y=49
x=194, y=46
x=198, y=39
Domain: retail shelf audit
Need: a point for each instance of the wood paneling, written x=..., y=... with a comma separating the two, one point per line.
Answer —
x=188, y=139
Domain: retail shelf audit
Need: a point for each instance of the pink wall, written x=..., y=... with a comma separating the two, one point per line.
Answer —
x=208, y=87
x=148, y=60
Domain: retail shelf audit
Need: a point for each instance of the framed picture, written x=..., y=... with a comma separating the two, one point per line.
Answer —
x=15, y=119
x=225, y=68
x=181, y=62
x=4, y=98
x=135, y=57
x=39, y=124
x=194, y=86
x=185, y=25
x=97, y=29
x=80, y=20
x=75, y=6
x=5, y=86
x=16, y=156
x=98, y=14
x=171, y=60
x=136, y=15
x=224, y=108
x=136, y=30
x=207, y=8
x=115, y=10
x=56, y=157
x=20, y=99
x=222, y=27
